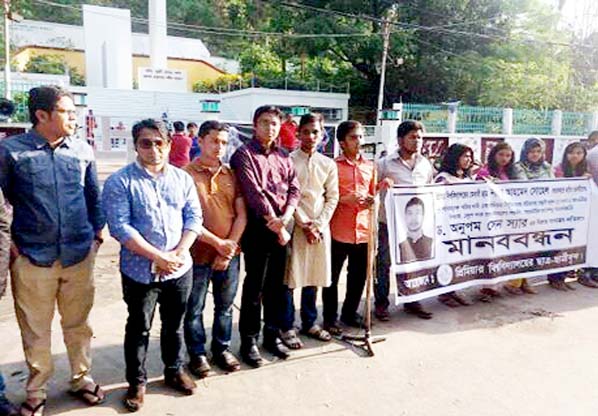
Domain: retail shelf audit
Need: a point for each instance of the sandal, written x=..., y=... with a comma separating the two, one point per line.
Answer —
x=89, y=396
x=316, y=332
x=34, y=410
x=491, y=292
x=448, y=300
x=512, y=290
x=460, y=299
x=291, y=340
x=333, y=329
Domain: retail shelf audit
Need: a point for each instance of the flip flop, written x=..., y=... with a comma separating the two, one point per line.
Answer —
x=448, y=300
x=85, y=393
x=291, y=340
x=318, y=333
x=37, y=410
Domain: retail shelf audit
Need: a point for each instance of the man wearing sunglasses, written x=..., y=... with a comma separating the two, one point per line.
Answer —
x=50, y=180
x=153, y=210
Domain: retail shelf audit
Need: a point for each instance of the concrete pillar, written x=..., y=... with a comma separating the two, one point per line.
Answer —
x=157, y=34
x=557, y=122
x=452, y=118
x=592, y=122
x=507, y=121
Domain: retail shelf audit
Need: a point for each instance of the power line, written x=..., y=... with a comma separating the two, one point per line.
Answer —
x=214, y=30
x=439, y=29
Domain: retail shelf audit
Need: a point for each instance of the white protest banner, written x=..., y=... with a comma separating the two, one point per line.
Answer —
x=449, y=237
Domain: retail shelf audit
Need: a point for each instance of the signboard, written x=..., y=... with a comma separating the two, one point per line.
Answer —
x=169, y=80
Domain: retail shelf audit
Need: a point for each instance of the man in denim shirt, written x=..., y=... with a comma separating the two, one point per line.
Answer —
x=154, y=212
x=6, y=407
x=50, y=180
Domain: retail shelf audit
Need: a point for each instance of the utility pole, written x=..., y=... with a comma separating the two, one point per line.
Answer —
x=386, y=34
x=7, y=93
x=390, y=17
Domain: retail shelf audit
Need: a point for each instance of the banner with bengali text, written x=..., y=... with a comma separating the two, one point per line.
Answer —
x=449, y=237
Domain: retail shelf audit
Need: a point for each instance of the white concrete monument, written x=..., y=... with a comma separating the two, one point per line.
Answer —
x=108, y=56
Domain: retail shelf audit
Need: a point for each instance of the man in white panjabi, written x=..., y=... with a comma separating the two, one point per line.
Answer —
x=309, y=265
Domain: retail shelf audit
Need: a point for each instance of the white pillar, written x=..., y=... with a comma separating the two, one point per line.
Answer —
x=452, y=118
x=593, y=122
x=557, y=122
x=157, y=34
x=507, y=121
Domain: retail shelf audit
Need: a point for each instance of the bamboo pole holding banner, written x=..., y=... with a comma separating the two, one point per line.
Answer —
x=366, y=340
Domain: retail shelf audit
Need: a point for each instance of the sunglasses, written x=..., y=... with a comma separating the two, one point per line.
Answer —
x=148, y=143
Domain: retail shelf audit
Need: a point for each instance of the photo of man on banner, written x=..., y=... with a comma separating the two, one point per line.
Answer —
x=415, y=228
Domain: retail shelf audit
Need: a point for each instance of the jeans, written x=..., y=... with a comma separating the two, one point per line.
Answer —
x=382, y=282
x=141, y=300
x=2, y=387
x=356, y=276
x=309, y=310
x=224, y=290
x=265, y=262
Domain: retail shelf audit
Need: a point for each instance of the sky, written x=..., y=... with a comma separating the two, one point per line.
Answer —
x=581, y=15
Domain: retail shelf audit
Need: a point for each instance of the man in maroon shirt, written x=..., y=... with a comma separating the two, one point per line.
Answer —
x=180, y=145
x=271, y=191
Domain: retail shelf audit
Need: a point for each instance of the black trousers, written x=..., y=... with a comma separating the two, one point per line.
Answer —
x=265, y=262
x=141, y=300
x=356, y=276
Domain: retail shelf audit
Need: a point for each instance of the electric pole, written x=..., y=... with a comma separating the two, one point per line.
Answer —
x=391, y=16
x=7, y=93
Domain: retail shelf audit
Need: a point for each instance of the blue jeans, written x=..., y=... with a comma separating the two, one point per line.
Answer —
x=2, y=387
x=224, y=289
x=309, y=310
x=141, y=300
x=382, y=282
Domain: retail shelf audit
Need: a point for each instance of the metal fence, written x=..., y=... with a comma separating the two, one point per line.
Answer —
x=479, y=119
x=434, y=117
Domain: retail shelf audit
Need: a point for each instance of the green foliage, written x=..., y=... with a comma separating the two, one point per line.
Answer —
x=486, y=52
x=53, y=64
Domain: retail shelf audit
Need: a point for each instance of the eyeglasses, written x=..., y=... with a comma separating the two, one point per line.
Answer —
x=148, y=143
x=65, y=111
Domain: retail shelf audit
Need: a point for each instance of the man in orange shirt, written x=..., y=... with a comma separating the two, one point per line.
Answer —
x=225, y=219
x=350, y=227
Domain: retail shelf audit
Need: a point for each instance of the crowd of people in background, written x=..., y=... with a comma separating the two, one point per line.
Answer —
x=187, y=208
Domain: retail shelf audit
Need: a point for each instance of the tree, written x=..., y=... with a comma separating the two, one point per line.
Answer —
x=53, y=64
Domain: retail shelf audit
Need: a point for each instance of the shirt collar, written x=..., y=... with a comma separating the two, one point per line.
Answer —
x=146, y=172
x=39, y=141
x=256, y=145
x=343, y=158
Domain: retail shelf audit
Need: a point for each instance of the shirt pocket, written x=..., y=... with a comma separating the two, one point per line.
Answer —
x=35, y=172
x=71, y=172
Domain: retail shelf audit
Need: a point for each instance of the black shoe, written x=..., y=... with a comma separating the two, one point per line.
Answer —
x=227, y=361
x=134, y=398
x=251, y=356
x=275, y=347
x=355, y=321
x=180, y=381
x=199, y=366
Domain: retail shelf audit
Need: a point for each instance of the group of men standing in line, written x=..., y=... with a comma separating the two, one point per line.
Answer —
x=297, y=218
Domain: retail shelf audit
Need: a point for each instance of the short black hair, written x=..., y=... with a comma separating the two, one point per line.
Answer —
x=311, y=118
x=344, y=128
x=191, y=124
x=210, y=125
x=415, y=201
x=45, y=98
x=267, y=109
x=408, y=126
x=178, y=126
x=150, y=123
